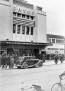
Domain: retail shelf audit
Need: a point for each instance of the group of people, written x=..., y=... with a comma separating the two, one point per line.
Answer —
x=59, y=57
x=7, y=60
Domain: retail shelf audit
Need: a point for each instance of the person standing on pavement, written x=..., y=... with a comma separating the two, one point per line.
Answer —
x=62, y=58
x=11, y=61
x=8, y=60
x=43, y=58
x=56, y=58
x=0, y=59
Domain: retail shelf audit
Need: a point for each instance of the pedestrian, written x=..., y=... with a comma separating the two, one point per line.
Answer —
x=56, y=58
x=43, y=58
x=8, y=61
x=0, y=59
x=4, y=60
x=11, y=61
x=62, y=58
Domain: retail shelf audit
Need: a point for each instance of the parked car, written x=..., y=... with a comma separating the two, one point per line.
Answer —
x=28, y=61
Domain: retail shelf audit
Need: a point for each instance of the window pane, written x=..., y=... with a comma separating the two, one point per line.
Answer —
x=32, y=17
x=59, y=41
x=53, y=40
x=23, y=29
x=18, y=29
x=31, y=30
x=27, y=16
x=14, y=28
x=18, y=14
x=27, y=32
x=23, y=16
x=49, y=40
x=14, y=13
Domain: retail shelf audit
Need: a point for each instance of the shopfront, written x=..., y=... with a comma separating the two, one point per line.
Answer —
x=22, y=48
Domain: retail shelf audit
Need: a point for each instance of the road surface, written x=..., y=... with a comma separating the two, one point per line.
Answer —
x=12, y=80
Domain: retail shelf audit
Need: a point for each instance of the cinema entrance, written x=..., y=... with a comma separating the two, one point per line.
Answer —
x=22, y=48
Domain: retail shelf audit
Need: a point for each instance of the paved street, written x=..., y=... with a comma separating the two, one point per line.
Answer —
x=12, y=80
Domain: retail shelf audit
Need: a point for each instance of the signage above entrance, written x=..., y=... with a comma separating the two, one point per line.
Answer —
x=23, y=10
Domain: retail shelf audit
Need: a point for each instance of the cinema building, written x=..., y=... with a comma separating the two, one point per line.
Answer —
x=22, y=27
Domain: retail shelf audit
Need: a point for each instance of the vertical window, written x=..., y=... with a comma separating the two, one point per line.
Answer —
x=23, y=29
x=32, y=17
x=18, y=29
x=27, y=16
x=49, y=40
x=18, y=15
x=14, y=28
x=53, y=40
x=31, y=30
x=14, y=13
x=27, y=31
x=23, y=16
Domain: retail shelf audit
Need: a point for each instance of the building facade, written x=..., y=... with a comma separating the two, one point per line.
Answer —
x=57, y=45
x=22, y=27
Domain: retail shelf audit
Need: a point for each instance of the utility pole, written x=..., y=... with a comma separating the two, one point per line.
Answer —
x=11, y=19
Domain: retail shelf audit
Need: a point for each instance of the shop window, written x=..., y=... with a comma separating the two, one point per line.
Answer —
x=23, y=16
x=14, y=28
x=31, y=30
x=18, y=15
x=18, y=29
x=27, y=31
x=23, y=29
x=59, y=41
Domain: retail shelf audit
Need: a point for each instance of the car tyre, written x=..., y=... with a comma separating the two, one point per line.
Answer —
x=25, y=65
x=36, y=65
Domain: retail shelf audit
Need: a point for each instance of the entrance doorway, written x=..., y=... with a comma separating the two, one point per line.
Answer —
x=10, y=51
x=36, y=52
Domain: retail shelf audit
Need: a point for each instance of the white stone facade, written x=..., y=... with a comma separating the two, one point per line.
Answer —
x=8, y=8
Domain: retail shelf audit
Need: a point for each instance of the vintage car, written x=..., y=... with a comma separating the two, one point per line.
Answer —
x=28, y=61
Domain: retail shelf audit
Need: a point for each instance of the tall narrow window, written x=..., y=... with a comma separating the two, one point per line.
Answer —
x=31, y=30
x=23, y=16
x=18, y=29
x=27, y=31
x=18, y=15
x=14, y=13
x=32, y=17
x=14, y=28
x=23, y=29
x=53, y=40
x=27, y=16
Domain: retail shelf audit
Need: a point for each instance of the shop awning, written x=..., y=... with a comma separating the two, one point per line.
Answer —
x=25, y=43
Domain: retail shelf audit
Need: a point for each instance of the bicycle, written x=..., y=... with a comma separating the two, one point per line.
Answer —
x=32, y=88
x=58, y=86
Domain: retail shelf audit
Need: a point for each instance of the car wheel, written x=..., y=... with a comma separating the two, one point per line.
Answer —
x=37, y=66
x=18, y=67
x=25, y=65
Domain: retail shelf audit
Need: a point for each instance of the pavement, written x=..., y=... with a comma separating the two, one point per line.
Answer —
x=51, y=62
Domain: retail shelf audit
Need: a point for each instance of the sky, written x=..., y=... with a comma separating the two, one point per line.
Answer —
x=55, y=10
